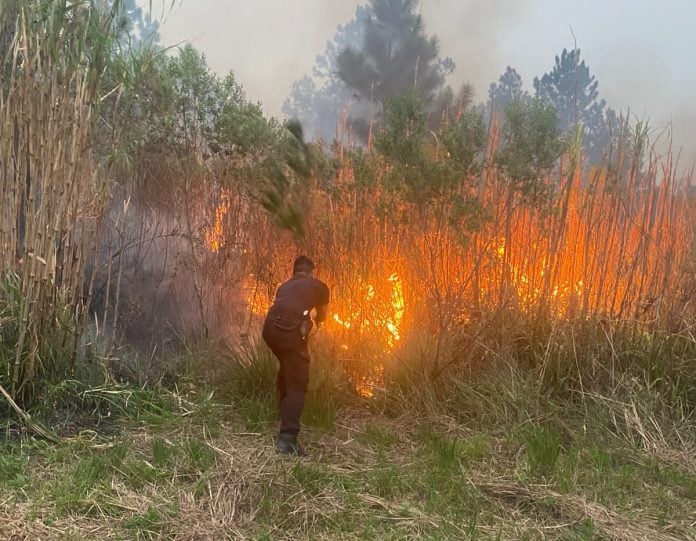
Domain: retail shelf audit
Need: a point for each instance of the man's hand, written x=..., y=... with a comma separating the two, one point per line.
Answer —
x=321, y=313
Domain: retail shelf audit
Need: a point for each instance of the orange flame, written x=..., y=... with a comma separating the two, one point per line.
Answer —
x=367, y=317
x=366, y=385
x=259, y=304
x=601, y=252
x=214, y=236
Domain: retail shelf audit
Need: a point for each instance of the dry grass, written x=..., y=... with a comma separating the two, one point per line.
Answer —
x=204, y=476
x=571, y=510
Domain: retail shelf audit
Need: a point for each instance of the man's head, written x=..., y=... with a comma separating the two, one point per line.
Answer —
x=303, y=264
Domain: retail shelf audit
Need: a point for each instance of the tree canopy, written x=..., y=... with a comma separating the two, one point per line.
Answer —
x=574, y=92
x=383, y=53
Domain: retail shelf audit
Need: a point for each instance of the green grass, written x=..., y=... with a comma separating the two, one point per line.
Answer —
x=452, y=453
x=313, y=479
x=379, y=437
x=258, y=414
x=163, y=452
x=12, y=467
x=199, y=456
x=85, y=486
x=543, y=448
x=154, y=523
x=498, y=461
x=583, y=531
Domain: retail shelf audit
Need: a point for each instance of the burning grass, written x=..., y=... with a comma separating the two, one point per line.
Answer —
x=598, y=245
x=533, y=380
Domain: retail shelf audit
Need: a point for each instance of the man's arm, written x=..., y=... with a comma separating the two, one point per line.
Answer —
x=321, y=313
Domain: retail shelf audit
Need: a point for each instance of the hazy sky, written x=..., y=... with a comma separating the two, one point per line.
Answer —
x=642, y=52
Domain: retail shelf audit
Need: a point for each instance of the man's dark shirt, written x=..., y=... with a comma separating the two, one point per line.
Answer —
x=288, y=342
x=298, y=294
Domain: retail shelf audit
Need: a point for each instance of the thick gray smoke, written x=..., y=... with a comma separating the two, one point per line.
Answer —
x=473, y=34
x=157, y=285
x=633, y=48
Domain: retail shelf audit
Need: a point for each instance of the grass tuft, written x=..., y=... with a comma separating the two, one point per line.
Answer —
x=543, y=446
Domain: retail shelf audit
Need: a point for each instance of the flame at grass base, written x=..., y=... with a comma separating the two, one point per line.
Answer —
x=622, y=255
x=374, y=313
x=214, y=236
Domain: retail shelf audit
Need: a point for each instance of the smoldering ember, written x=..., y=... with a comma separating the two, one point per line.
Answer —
x=311, y=270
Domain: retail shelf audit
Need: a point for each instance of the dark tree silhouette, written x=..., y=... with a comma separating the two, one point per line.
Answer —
x=573, y=91
x=381, y=54
x=506, y=90
x=395, y=57
x=319, y=100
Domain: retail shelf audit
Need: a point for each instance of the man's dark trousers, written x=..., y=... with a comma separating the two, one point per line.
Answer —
x=293, y=377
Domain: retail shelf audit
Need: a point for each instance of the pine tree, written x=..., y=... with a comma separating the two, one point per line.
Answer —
x=319, y=100
x=381, y=54
x=506, y=90
x=396, y=55
x=573, y=91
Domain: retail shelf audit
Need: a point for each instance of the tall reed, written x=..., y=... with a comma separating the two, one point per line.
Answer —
x=53, y=192
x=610, y=243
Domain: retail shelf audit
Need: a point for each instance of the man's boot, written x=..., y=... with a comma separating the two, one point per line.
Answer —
x=287, y=444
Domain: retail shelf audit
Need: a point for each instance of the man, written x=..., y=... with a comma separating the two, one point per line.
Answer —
x=286, y=330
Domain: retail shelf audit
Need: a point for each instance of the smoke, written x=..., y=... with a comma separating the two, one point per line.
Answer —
x=157, y=283
x=473, y=34
x=655, y=89
x=268, y=44
x=633, y=47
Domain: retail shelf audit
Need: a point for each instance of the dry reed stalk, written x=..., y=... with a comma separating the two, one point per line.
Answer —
x=614, y=245
x=53, y=195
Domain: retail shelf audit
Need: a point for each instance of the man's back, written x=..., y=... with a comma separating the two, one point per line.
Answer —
x=299, y=294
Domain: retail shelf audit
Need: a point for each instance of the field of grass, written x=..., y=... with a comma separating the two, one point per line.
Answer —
x=502, y=461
